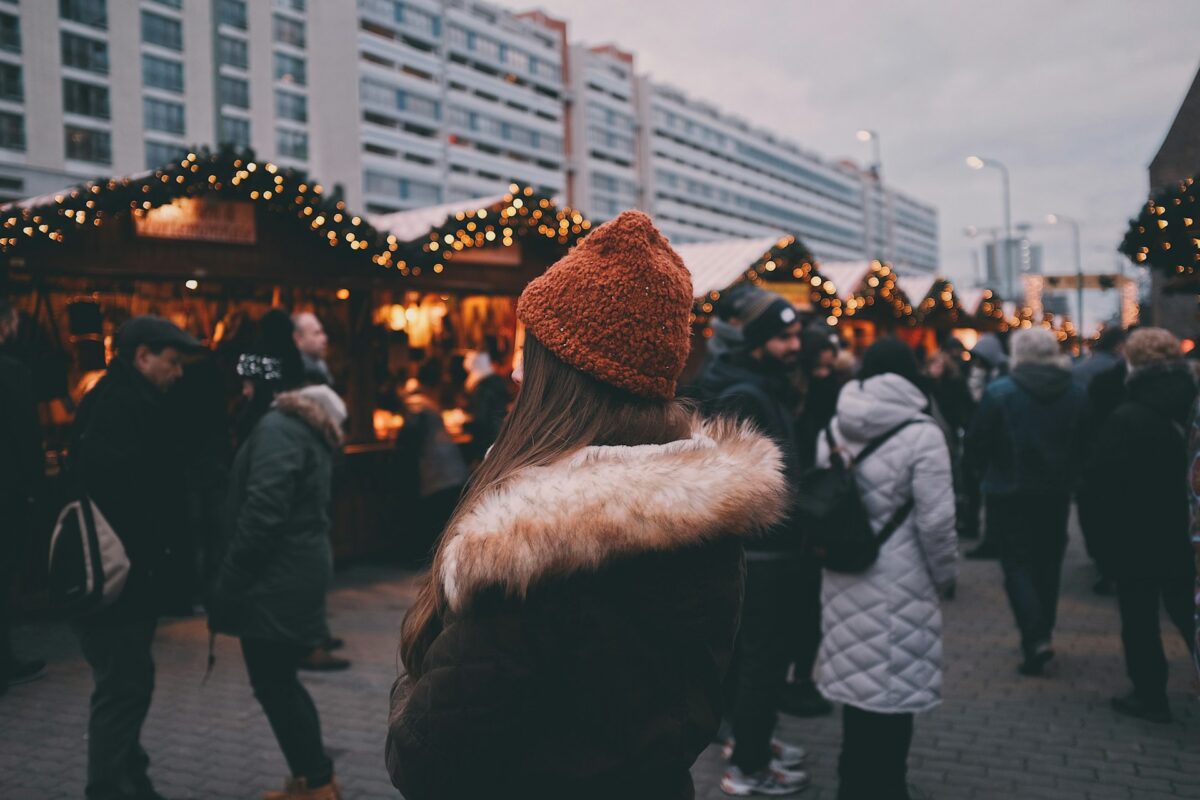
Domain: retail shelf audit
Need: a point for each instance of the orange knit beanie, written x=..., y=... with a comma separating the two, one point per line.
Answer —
x=616, y=307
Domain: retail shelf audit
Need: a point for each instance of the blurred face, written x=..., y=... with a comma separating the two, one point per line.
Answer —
x=936, y=368
x=784, y=347
x=310, y=336
x=824, y=366
x=162, y=369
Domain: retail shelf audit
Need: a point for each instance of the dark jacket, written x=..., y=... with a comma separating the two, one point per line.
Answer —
x=124, y=455
x=1139, y=470
x=488, y=406
x=21, y=457
x=1026, y=437
x=735, y=385
x=583, y=644
x=278, y=562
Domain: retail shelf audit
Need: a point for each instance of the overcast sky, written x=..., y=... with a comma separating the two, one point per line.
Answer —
x=1074, y=96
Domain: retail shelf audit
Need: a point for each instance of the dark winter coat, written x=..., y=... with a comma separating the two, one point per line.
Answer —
x=488, y=406
x=1139, y=473
x=1026, y=437
x=124, y=455
x=739, y=386
x=591, y=612
x=21, y=456
x=278, y=562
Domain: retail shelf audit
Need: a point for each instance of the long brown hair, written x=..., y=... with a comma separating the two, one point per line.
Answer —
x=558, y=411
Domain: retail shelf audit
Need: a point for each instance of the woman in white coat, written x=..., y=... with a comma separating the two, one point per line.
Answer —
x=881, y=655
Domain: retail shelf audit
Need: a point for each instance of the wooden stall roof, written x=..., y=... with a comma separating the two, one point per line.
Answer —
x=715, y=266
x=848, y=277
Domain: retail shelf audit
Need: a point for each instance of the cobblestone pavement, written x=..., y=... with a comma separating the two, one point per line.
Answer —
x=997, y=735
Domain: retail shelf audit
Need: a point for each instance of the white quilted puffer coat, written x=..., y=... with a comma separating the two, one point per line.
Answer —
x=882, y=645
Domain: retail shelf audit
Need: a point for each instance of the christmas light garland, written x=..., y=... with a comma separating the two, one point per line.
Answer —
x=1166, y=234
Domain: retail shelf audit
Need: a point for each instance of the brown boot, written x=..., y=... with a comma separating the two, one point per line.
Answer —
x=297, y=789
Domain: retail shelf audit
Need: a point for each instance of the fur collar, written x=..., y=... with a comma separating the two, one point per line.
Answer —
x=607, y=502
x=313, y=414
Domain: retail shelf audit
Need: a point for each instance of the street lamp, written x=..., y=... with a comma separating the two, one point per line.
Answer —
x=1062, y=219
x=865, y=135
x=975, y=162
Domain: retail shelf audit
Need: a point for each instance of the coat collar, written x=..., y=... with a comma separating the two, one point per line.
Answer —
x=604, y=503
x=306, y=409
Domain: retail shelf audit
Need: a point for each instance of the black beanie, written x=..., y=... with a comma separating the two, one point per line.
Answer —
x=763, y=316
x=890, y=356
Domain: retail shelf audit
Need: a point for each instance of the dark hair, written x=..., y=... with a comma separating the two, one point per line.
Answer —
x=558, y=411
x=891, y=356
x=1110, y=339
x=431, y=372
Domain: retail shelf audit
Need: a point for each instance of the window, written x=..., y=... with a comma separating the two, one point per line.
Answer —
x=11, y=85
x=232, y=52
x=235, y=131
x=86, y=12
x=85, y=144
x=169, y=3
x=81, y=52
x=288, y=31
x=159, y=154
x=162, y=73
x=232, y=13
x=401, y=188
x=12, y=131
x=162, y=31
x=290, y=5
x=291, y=106
x=162, y=115
x=292, y=144
x=85, y=98
x=290, y=69
x=414, y=19
x=233, y=92
x=10, y=33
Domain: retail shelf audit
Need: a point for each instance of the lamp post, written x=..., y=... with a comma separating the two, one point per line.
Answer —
x=975, y=162
x=1057, y=219
x=865, y=135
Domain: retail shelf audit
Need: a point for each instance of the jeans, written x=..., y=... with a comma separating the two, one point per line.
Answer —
x=1032, y=533
x=1138, y=600
x=874, y=760
x=117, y=648
x=272, y=667
x=761, y=657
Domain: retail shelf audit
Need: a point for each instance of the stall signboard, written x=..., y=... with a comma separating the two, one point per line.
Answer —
x=199, y=219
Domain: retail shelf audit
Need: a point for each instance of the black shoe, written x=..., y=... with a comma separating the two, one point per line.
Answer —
x=1035, y=662
x=1133, y=706
x=321, y=660
x=985, y=551
x=803, y=700
x=334, y=643
x=25, y=671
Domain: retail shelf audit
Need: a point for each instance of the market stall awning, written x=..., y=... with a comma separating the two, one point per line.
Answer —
x=715, y=266
x=916, y=287
x=416, y=223
x=846, y=276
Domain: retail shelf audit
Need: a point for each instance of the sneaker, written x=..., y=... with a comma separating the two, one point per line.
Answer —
x=321, y=660
x=26, y=671
x=1133, y=706
x=767, y=783
x=783, y=755
x=803, y=700
x=1035, y=663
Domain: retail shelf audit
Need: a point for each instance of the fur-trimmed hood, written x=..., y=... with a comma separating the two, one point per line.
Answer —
x=319, y=407
x=604, y=503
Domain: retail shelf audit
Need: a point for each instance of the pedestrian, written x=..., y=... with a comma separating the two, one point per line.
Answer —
x=440, y=469
x=121, y=458
x=1026, y=443
x=277, y=567
x=881, y=656
x=21, y=470
x=313, y=344
x=573, y=635
x=753, y=383
x=988, y=363
x=1141, y=454
x=487, y=402
x=948, y=388
x=1107, y=351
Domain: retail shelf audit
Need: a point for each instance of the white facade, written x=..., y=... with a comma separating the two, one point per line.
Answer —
x=604, y=177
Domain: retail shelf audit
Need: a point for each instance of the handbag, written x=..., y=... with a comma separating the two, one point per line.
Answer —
x=88, y=563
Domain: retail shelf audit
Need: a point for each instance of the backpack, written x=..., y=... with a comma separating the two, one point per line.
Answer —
x=831, y=513
x=88, y=562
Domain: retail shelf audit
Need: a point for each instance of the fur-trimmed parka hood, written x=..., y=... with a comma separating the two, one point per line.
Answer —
x=604, y=503
x=320, y=408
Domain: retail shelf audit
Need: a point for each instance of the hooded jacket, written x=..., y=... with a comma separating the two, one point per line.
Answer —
x=988, y=362
x=882, y=644
x=278, y=561
x=590, y=618
x=1138, y=473
x=1026, y=437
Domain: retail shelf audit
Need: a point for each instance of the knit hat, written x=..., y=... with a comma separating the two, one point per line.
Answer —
x=763, y=316
x=617, y=307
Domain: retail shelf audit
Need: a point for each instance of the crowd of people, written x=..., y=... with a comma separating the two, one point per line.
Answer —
x=626, y=566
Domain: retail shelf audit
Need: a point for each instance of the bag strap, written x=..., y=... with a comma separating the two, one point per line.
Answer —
x=880, y=441
x=894, y=523
x=835, y=452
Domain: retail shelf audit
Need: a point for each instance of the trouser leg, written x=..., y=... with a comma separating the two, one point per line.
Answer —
x=762, y=654
x=874, y=760
x=119, y=653
x=1177, y=596
x=1017, y=560
x=1145, y=662
x=272, y=667
x=808, y=615
x=1053, y=515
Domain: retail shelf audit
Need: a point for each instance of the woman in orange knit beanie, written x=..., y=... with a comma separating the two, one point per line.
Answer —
x=574, y=631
